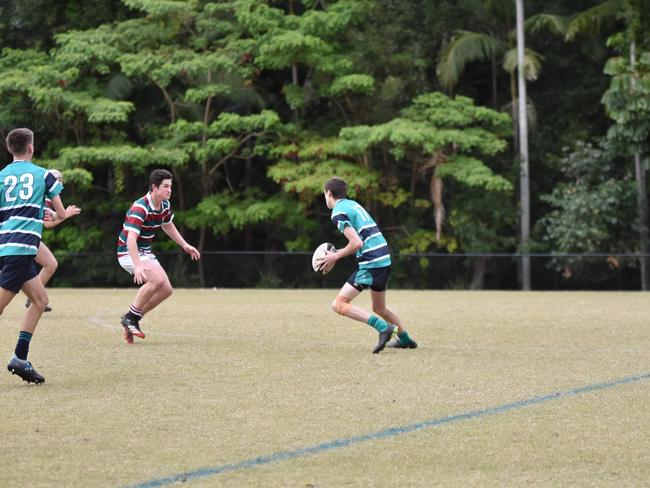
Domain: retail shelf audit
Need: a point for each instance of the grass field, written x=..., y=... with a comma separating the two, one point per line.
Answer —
x=229, y=376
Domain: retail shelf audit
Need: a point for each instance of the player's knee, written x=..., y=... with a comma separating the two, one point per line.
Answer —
x=52, y=265
x=167, y=289
x=156, y=281
x=341, y=305
x=40, y=302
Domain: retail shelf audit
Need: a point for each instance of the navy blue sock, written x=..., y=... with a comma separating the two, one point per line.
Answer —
x=22, y=348
x=134, y=314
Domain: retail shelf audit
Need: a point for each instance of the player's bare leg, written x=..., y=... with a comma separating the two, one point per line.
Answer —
x=18, y=364
x=379, y=307
x=48, y=264
x=342, y=306
x=148, y=290
x=131, y=320
x=35, y=291
x=154, y=291
x=5, y=298
x=163, y=291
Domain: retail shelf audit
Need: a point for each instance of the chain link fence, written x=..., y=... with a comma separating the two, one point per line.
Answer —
x=265, y=269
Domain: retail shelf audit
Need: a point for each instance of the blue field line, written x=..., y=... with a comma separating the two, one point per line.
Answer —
x=383, y=434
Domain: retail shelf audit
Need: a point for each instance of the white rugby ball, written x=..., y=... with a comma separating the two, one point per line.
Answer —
x=319, y=254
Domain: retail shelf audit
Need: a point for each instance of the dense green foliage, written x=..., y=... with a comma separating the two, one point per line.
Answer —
x=254, y=104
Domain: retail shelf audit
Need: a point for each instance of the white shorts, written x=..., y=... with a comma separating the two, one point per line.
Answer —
x=127, y=263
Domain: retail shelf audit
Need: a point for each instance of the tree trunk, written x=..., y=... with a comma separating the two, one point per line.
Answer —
x=178, y=187
x=523, y=151
x=248, y=171
x=642, y=210
x=414, y=176
x=641, y=199
x=513, y=96
x=435, y=189
x=478, y=273
x=495, y=100
x=201, y=262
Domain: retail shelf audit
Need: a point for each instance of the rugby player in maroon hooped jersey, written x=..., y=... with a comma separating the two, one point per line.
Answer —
x=144, y=218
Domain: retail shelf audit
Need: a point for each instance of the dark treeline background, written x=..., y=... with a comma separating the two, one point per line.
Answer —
x=254, y=104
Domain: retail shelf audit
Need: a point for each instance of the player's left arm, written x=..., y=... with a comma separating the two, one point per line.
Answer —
x=59, y=209
x=70, y=211
x=171, y=230
x=354, y=244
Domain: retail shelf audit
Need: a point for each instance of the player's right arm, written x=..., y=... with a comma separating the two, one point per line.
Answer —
x=354, y=244
x=139, y=269
x=135, y=217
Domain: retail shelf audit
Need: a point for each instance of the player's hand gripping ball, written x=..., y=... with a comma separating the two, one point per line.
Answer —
x=319, y=254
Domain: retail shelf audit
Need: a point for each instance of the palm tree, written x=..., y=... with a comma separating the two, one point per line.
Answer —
x=497, y=42
x=592, y=21
x=466, y=47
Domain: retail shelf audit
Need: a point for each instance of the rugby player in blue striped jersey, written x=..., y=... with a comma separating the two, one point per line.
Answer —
x=366, y=241
x=23, y=189
x=147, y=215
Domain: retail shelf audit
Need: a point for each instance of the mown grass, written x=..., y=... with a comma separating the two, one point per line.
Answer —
x=229, y=375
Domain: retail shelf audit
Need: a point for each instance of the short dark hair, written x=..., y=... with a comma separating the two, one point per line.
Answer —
x=18, y=140
x=337, y=186
x=157, y=176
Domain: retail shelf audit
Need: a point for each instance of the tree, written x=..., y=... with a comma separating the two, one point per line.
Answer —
x=448, y=139
x=495, y=44
x=628, y=103
x=248, y=103
x=589, y=211
x=621, y=93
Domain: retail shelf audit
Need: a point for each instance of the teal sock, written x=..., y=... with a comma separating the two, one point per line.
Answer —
x=377, y=323
x=403, y=337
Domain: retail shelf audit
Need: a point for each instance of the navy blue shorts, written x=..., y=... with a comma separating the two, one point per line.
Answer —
x=15, y=271
x=374, y=278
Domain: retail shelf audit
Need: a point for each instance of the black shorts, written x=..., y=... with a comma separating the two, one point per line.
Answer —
x=374, y=278
x=15, y=271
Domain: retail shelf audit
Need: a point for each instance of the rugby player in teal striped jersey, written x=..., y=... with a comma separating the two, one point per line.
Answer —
x=23, y=189
x=366, y=241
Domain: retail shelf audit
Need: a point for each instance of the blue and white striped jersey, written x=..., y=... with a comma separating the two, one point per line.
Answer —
x=374, y=253
x=23, y=189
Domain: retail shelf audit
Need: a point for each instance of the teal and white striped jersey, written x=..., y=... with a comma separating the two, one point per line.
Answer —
x=374, y=253
x=23, y=189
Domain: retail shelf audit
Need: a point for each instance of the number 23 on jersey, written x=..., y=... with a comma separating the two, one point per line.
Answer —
x=18, y=187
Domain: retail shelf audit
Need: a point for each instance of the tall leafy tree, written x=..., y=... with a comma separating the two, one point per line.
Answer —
x=494, y=43
x=448, y=139
x=589, y=210
x=245, y=99
x=620, y=98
